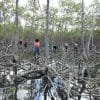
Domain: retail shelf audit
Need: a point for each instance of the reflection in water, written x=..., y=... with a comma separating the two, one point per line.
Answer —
x=38, y=90
x=34, y=89
x=22, y=94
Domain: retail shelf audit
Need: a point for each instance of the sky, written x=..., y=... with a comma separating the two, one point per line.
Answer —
x=54, y=2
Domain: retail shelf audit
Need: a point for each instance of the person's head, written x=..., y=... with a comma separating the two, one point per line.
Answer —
x=20, y=42
x=36, y=40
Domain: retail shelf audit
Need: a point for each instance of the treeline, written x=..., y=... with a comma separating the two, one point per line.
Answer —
x=64, y=20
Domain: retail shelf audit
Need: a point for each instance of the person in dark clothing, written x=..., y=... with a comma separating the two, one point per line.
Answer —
x=20, y=42
x=75, y=48
x=66, y=47
x=85, y=73
x=25, y=44
x=55, y=48
x=14, y=60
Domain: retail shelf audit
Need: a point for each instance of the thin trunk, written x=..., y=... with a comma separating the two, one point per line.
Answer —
x=16, y=22
x=3, y=6
x=90, y=37
x=46, y=35
x=16, y=85
x=45, y=82
x=45, y=95
x=31, y=96
x=82, y=27
x=0, y=17
x=16, y=47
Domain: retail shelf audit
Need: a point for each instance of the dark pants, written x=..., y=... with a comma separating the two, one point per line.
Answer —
x=75, y=50
x=36, y=52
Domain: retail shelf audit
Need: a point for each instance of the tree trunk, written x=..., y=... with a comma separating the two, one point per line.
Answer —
x=3, y=7
x=46, y=35
x=82, y=29
x=45, y=82
x=16, y=39
x=90, y=37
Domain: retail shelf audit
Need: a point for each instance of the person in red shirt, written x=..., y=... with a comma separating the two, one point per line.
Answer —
x=36, y=44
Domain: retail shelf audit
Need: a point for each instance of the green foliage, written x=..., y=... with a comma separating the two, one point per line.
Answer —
x=97, y=33
x=1, y=28
x=2, y=34
x=11, y=90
